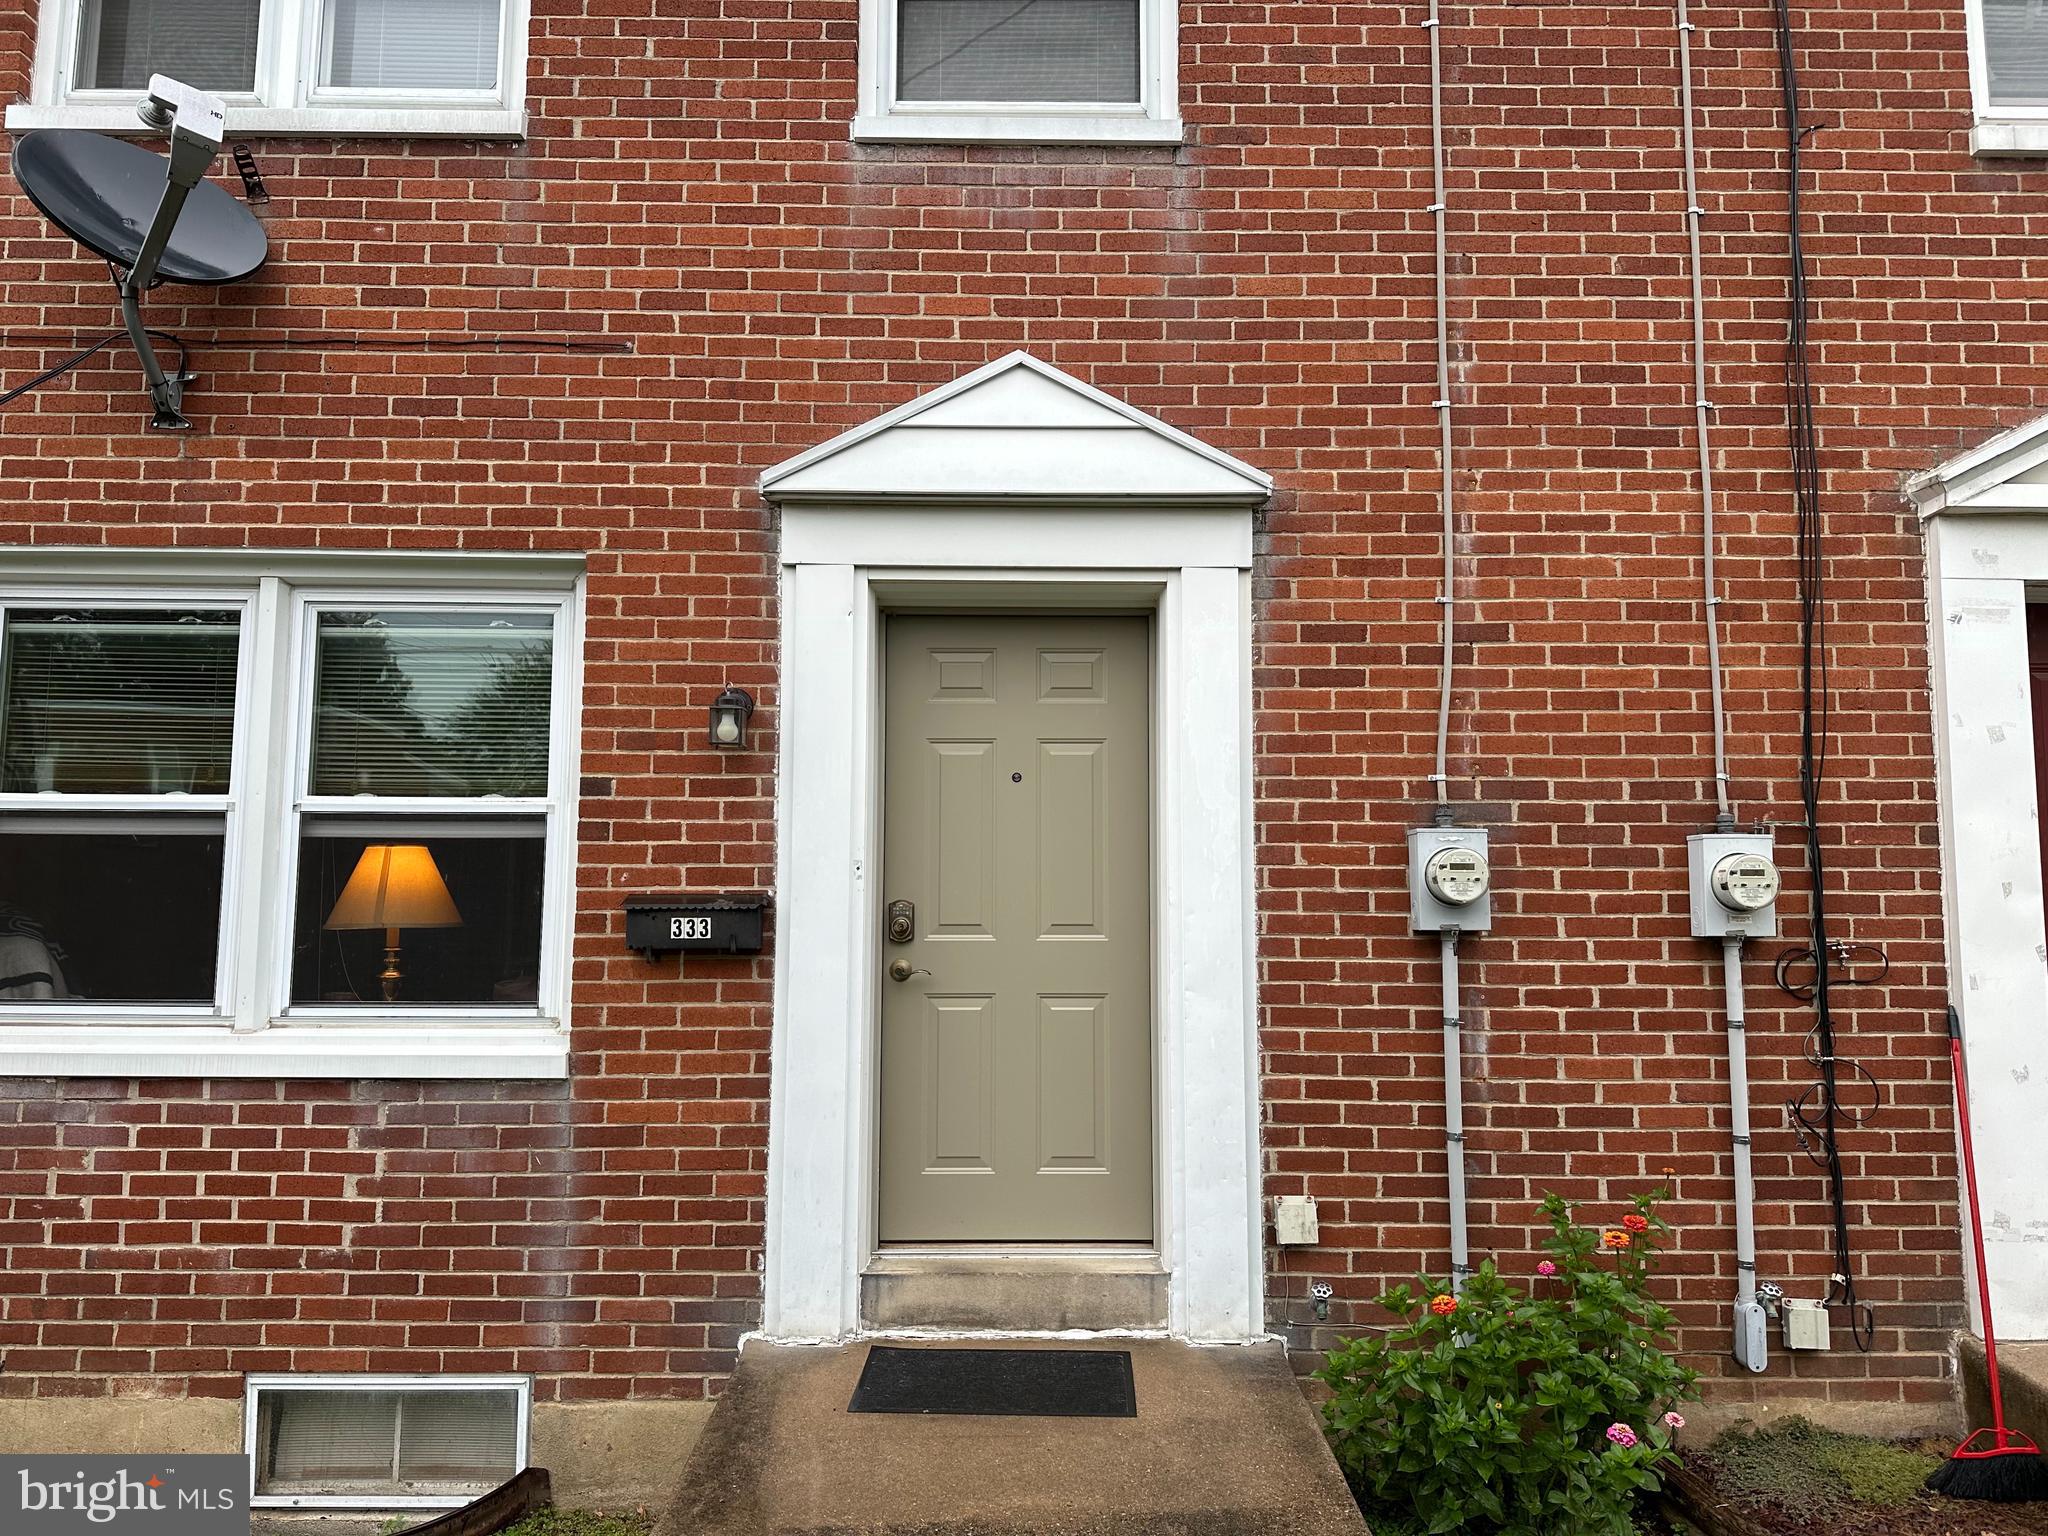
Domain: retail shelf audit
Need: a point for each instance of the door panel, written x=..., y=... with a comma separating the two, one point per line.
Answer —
x=1017, y=1052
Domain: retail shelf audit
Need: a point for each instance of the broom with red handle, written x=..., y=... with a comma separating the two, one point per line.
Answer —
x=1996, y=1465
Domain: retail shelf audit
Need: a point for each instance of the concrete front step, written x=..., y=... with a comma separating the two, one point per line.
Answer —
x=2023, y=1377
x=1224, y=1444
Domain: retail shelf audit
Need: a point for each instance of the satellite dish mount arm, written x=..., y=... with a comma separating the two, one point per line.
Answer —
x=197, y=122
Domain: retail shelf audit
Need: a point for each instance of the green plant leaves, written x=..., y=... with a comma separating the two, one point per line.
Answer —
x=1491, y=1416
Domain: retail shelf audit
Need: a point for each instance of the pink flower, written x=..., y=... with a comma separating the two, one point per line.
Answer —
x=1546, y=1268
x=1674, y=1421
x=1621, y=1435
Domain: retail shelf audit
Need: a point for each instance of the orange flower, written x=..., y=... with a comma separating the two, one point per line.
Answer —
x=1443, y=1306
x=1615, y=1238
x=1636, y=1223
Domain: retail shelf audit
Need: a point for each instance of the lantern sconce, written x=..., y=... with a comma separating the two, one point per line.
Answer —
x=729, y=714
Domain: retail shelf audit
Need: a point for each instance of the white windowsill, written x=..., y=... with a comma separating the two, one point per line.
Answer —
x=2009, y=136
x=295, y=122
x=533, y=1052
x=1014, y=128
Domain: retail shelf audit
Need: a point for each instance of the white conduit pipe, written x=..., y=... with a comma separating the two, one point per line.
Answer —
x=1454, y=1112
x=1703, y=409
x=1440, y=208
x=1454, y=1053
x=1746, y=1307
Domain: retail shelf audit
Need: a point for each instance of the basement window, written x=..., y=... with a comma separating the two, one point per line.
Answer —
x=383, y=1442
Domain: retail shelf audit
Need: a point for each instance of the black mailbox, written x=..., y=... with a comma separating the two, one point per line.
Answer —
x=698, y=925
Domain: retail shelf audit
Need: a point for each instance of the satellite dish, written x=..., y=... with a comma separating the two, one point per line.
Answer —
x=158, y=219
x=103, y=193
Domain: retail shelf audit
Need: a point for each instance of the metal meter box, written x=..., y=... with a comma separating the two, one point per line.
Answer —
x=1450, y=884
x=1734, y=883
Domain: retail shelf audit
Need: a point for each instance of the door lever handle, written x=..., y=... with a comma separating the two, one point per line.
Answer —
x=903, y=970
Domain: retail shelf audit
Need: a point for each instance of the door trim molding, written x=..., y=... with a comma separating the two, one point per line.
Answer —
x=843, y=566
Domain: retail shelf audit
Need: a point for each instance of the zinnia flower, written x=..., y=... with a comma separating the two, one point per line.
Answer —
x=1615, y=1238
x=1636, y=1223
x=1674, y=1420
x=1443, y=1306
x=1621, y=1435
x=1546, y=1268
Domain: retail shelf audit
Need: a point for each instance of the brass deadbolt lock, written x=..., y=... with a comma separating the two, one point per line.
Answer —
x=902, y=922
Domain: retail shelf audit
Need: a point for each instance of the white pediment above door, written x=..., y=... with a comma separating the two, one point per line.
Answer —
x=1017, y=430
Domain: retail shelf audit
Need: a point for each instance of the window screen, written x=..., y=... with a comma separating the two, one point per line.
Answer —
x=113, y=702
x=207, y=43
x=1017, y=50
x=2016, y=51
x=414, y=45
x=451, y=704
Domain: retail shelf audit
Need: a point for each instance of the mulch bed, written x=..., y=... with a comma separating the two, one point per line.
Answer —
x=1699, y=1497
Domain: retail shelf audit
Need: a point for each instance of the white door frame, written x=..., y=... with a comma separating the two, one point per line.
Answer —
x=843, y=568
x=1985, y=519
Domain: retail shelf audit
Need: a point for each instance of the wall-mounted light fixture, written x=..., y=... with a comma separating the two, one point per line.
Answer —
x=729, y=714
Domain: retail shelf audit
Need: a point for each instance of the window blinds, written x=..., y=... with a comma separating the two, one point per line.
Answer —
x=432, y=704
x=1018, y=50
x=2016, y=51
x=117, y=703
x=416, y=45
x=207, y=43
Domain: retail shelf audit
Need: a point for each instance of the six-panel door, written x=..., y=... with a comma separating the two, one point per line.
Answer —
x=1017, y=1054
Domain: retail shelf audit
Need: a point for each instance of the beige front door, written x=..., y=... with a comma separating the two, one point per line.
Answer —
x=1017, y=1049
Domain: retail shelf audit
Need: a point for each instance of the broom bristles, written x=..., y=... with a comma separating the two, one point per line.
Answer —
x=2017, y=1475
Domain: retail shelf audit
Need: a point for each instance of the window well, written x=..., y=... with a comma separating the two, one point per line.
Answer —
x=384, y=1442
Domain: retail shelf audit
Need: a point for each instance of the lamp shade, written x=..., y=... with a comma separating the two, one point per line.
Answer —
x=395, y=885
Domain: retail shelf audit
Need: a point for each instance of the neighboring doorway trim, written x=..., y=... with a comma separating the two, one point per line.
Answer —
x=863, y=546
x=1985, y=517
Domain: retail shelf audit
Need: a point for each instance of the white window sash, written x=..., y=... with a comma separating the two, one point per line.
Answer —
x=553, y=809
x=1999, y=128
x=249, y=1029
x=287, y=96
x=104, y=809
x=1153, y=118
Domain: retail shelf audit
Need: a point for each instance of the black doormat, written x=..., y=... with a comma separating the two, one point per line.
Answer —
x=1039, y=1383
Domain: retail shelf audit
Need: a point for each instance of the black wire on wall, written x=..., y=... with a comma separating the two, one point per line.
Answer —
x=1818, y=1114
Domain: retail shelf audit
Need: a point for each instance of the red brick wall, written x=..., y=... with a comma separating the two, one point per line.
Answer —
x=688, y=190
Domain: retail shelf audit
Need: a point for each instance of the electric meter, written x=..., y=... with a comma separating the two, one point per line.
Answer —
x=1745, y=882
x=1734, y=885
x=1449, y=883
x=1456, y=877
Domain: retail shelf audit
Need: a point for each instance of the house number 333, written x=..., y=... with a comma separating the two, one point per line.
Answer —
x=689, y=927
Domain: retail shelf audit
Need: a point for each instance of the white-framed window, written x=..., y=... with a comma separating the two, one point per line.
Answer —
x=316, y=823
x=2009, y=76
x=382, y=1442
x=454, y=67
x=1019, y=71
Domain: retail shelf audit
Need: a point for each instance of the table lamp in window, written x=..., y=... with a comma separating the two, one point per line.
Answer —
x=395, y=886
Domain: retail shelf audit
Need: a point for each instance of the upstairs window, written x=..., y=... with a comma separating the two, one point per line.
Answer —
x=368, y=66
x=2009, y=75
x=1019, y=71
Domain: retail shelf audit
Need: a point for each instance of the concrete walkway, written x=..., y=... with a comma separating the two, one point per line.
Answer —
x=1224, y=1444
